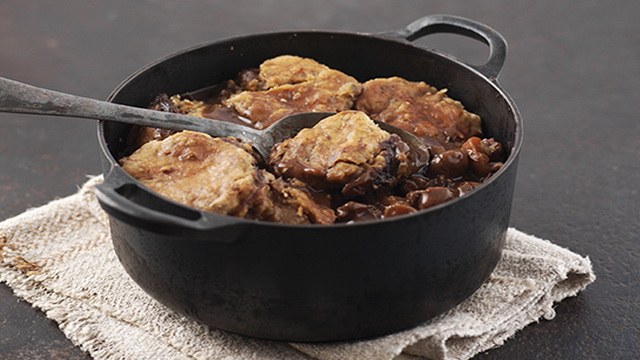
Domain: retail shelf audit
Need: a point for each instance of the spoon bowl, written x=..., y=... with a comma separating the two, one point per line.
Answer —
x=17, y=97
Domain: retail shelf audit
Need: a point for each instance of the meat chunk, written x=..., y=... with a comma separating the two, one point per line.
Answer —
x=481, y=154
x=422, y=199
x=291, y=85
x=387, y=207
x=346, y=151
x=221, y=175
x=418, y=108
x=289, y=203
x=354, y=211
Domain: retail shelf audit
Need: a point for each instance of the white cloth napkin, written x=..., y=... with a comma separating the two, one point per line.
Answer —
x=59, y=258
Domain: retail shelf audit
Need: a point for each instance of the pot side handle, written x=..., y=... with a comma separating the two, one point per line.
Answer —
x=433, y=24
x=129, y=201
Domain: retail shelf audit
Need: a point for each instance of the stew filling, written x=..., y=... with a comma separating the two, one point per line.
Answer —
x=344, y=169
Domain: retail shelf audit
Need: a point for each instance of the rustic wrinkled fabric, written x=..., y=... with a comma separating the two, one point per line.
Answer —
x=59, y=258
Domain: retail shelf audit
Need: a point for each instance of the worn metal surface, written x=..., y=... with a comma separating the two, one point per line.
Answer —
x=572, y=68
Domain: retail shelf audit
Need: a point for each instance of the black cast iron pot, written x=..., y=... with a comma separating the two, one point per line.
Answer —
x=316, y=282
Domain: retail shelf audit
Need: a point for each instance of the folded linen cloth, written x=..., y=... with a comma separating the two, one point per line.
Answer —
x=59, y=258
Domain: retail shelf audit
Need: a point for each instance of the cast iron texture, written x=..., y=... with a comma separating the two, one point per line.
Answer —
x=316, y=283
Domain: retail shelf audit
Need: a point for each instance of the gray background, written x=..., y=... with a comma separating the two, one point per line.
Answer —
x=573, y=70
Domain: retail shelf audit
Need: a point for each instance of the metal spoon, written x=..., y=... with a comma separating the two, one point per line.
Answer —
x=17, y=97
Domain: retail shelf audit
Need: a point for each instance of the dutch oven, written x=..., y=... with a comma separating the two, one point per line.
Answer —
x=316, y=282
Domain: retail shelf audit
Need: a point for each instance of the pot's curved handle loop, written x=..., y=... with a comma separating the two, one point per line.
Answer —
x=129, y=201
x=432, y=24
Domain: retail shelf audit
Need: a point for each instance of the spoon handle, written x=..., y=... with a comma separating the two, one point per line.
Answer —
x=17, y=97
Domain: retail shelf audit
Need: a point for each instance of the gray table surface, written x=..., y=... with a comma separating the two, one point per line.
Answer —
x=573, y=69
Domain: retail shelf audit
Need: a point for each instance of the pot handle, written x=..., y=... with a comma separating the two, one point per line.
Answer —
x=127, y=200
x=433, y=24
